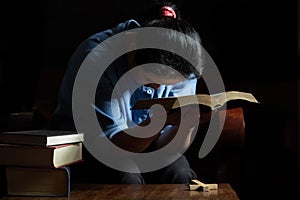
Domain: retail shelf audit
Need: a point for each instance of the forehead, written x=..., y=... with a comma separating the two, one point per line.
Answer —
x=159, y=79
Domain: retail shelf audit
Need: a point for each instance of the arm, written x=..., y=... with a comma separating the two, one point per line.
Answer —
x=160, y=139
x=128, y=142
x=191, y=120
x=133, y=144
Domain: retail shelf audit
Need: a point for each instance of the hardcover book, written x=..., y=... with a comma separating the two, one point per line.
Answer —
x=40, y=137
x=39, y=156
x=29, y=181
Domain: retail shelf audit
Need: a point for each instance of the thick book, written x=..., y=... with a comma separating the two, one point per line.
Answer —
x=39, y=156
x=40, y=137
x=29, y=181
x=206, y=101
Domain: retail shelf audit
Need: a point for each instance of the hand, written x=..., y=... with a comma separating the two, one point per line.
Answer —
x=190, y=115
x=207, y=116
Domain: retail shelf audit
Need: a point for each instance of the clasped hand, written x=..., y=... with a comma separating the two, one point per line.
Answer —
x=190, y=115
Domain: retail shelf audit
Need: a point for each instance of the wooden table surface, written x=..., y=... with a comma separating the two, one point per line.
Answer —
x=139, y=192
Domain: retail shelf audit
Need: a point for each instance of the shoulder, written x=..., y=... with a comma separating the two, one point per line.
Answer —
x=87, y=45
x=95, y=39
x=101, y=36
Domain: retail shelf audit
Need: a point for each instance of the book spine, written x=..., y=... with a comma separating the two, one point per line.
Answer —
x=26, y=157
x=32, y=181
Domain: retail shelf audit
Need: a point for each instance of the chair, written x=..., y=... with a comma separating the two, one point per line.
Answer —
x=222, y=164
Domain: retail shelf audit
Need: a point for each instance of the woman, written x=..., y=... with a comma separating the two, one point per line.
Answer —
x=153, y=73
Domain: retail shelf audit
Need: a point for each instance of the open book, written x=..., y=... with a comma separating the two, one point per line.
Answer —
x=211, y=102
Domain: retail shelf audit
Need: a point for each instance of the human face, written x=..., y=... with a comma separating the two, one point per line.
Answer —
x=152, y=80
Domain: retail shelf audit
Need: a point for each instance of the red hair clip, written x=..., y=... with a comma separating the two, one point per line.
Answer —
x=167, y=11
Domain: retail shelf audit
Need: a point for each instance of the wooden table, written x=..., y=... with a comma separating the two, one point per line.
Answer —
x=139, y=192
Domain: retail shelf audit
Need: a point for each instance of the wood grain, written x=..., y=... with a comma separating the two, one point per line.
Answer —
x=139, y=192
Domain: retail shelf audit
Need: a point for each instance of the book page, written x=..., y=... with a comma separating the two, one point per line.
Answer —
x=203, y=99
x=213, y=101
x=221, y=98
x=231, y=95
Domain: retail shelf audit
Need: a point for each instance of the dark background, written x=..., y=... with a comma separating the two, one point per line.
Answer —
x=253, y=43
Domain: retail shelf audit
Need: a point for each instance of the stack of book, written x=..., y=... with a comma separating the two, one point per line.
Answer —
x=37, y=162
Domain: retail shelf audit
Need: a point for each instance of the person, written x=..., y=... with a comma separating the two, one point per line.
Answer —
x=159, y=81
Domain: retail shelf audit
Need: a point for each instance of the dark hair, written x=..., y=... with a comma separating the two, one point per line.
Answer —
x=192, y=48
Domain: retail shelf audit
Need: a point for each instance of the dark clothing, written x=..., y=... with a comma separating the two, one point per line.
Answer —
x=91, y=169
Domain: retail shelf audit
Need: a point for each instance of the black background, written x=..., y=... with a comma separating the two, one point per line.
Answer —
x=253, y=43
